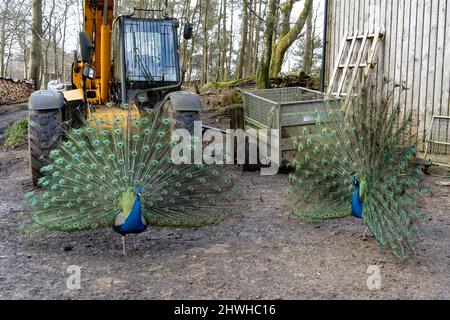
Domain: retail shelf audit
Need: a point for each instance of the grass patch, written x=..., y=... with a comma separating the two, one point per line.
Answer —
x=16, y=132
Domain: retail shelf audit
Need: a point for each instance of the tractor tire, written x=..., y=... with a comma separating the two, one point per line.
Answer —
x=186, y=120
x=44, y=133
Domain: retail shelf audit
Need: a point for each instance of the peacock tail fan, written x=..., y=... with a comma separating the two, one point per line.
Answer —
x=85, y=183
x=370, y=141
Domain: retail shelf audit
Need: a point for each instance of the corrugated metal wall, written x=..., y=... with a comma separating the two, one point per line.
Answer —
x=415, y=51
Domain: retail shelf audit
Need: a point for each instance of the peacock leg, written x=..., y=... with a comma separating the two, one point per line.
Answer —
x=135, y=242
x=123, y=246
x=365, y=233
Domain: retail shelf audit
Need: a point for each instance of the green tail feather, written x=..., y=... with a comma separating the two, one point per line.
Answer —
x=82, y=184
x=371, y=142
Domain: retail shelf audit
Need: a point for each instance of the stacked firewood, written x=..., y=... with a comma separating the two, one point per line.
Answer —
x=14, y=90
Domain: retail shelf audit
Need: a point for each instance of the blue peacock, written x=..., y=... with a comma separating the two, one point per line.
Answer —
x=120, y=174
x=358, y=161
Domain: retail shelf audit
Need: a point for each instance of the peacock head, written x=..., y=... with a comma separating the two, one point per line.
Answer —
x=355, y=181
x=127, y=199
x=361, y=185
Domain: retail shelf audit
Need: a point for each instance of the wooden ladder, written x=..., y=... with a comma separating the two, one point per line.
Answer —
x=356, y=59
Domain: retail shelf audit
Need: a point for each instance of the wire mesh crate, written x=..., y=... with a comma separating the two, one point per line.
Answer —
x=289, y=110
x=437, y=149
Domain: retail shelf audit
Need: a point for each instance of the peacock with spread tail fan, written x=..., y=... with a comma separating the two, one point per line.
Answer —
x=121, y=175
x=358, y=162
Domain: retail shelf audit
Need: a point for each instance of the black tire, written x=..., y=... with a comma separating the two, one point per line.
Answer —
x=186, y=120
x=182, y=119
x=44, y=133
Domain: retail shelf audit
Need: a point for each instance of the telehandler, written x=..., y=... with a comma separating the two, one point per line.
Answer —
x=127, y=65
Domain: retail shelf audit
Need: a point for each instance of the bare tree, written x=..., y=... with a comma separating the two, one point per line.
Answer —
x=288, y=34
x=36, y=29
x=205, y=52
x=243, y=43
x=262, y=80
x=308, y=56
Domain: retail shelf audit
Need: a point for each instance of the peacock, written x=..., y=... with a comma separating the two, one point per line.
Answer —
x=119, y=173
x=358, y=161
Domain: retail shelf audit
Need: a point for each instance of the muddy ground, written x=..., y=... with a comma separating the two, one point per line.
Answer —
x=262, y=252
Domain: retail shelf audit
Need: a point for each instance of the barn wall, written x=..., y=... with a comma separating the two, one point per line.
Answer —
x=415, y=51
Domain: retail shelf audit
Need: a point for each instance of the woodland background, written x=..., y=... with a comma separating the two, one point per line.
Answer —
x=233, y=39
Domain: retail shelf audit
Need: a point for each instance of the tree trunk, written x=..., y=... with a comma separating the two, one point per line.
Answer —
x=4, y=35
x=198, y=9
x=36, y=30
x=243, y=43
x=279, y=50
x=205, y=62
x=184, y=57
x=248, y=60
x=219, y=44
x=224, y=41
x=258, y=33
x=230, y=49
x=262, y=80
x=63, y=49
x=308, y=54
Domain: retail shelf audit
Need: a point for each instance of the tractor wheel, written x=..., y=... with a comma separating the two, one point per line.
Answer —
x=186, y=120
x=182, y=119
x=44, y=133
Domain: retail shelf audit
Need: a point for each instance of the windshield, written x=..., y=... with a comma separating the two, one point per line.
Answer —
x=150, y=51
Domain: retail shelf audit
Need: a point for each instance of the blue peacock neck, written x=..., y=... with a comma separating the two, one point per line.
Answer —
x=134, y=223
x=357, y=203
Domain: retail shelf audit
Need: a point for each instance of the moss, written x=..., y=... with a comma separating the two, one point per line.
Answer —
x=16, y=132
x=227, y=84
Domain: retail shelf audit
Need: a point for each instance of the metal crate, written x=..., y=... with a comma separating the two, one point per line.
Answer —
x=438, y=142
x=289, y=110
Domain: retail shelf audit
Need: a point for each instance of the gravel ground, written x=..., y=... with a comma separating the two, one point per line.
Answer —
x=262, y=252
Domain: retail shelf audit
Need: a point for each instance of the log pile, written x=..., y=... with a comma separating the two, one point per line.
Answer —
x=291, y=79
x=14, y=90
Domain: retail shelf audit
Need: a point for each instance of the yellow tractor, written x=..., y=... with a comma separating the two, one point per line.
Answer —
x=126, y=65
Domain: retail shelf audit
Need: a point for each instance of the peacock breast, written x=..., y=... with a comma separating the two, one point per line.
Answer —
x=133, y=224
x=357, y=205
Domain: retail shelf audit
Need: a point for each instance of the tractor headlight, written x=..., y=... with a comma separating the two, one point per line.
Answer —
x=89, y=72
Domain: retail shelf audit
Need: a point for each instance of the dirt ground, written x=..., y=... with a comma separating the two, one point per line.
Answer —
x=262, y=252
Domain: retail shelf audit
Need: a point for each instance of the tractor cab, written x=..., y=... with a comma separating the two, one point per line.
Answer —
x=126, y=67
x=145, y=59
